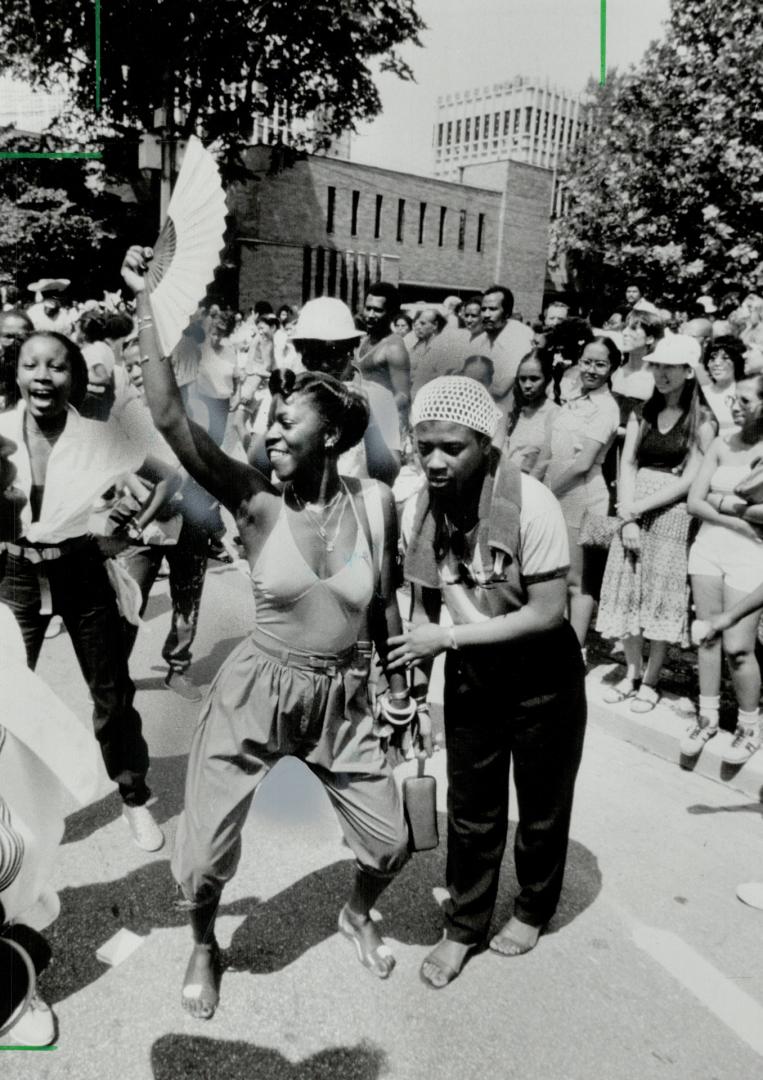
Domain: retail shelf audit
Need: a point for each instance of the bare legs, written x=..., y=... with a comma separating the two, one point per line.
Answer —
x=711, y=597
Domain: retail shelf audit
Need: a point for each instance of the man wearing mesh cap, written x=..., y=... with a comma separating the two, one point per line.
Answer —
x=490, y=544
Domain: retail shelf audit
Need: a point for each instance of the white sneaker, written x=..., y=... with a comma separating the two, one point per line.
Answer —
x=37, y=1026
x=745, y=743
x=144, y=830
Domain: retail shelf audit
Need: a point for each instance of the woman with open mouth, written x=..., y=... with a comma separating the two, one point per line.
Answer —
x=63, y=464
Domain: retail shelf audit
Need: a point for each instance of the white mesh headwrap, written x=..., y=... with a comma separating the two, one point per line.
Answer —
x=457, y=399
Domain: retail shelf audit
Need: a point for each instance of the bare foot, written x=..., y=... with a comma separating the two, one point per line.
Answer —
x=515, y=938
x=444, y=963
x=201, y=983
x=369, y=944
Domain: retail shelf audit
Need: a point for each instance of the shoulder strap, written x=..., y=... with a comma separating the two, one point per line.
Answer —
x=375, y=514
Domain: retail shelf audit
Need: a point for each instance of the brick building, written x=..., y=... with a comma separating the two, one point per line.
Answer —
x=330, y=227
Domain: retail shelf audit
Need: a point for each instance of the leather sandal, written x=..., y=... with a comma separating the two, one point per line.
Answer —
x=368, y=956
x=645, y=700
x=449, y=972
x=505, y=944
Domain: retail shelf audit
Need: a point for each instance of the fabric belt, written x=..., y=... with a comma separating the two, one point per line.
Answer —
x=326, y=663
x=38, y=553
x=39, y=556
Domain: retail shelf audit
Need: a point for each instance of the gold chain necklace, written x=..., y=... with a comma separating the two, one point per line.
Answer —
x=322, y=526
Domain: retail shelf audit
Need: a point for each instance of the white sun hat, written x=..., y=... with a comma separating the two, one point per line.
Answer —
x=325, y=319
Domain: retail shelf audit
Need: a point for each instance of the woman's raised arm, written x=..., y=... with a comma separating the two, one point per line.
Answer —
x=228, y=480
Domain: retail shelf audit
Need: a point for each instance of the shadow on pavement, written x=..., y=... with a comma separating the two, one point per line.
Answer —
x=91, y=914
x=166, y=779
x=277, y=931
x=743, y=808
x=192, y=1056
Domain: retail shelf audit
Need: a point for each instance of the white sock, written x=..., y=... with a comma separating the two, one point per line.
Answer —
x=709, y=708
x=750, y=721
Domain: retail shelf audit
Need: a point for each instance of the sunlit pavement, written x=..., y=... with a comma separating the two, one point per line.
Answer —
x=651, y=967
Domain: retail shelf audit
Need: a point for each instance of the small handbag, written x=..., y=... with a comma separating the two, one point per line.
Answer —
x=751, y=487
x=598, y=530
x=420, y=808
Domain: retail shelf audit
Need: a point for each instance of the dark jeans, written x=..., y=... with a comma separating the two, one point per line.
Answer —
x=187, y=561
x=83, y=597
x=525, y=706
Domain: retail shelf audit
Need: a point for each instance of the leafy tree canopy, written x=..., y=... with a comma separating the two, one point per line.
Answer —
x=220, y=61
x=667, y=186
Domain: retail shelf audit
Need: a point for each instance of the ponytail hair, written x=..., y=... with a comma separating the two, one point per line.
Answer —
x=342, y=406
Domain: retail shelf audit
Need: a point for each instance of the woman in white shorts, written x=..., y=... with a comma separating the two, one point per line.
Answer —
x=726, y=563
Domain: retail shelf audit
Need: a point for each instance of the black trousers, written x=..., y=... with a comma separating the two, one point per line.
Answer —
x=507, y=706
x=187, y=561
x=83, y=597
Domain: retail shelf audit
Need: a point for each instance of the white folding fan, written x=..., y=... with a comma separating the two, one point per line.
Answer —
x=189, y=245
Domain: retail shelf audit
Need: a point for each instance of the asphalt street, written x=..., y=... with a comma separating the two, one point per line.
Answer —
x=651, y=968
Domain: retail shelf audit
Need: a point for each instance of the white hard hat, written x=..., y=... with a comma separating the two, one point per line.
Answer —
x=325, y=319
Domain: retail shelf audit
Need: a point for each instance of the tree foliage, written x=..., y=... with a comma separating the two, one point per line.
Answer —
x=57, y=219
x=667, y=185
x=220, y=61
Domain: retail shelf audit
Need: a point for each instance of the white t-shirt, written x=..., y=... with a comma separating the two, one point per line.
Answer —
x=507, y=351
x=98, y=352
x=88, y=457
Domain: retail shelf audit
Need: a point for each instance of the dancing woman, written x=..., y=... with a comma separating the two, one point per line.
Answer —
x=321, y=555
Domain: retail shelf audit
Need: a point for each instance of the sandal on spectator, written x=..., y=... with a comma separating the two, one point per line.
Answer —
x=696, y=736
x=645, y=700
x=621, y=691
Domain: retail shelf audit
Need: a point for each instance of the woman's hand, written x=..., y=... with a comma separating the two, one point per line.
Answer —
x=419, y=643
x=134, y=267
x=705, y=631
x=626, y=512
x=631, y=536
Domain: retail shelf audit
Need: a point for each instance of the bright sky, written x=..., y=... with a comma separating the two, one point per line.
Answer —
x=473, y=42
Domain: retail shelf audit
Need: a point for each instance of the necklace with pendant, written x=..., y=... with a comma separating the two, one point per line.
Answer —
x=322, y=526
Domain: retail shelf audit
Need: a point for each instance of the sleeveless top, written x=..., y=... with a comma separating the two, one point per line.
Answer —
x=301, y=610
x=664, y=452
x=726, y=477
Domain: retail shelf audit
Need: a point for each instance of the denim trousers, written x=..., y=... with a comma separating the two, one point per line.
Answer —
x=520, y=708
x=187, y=561
x=82, y=595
